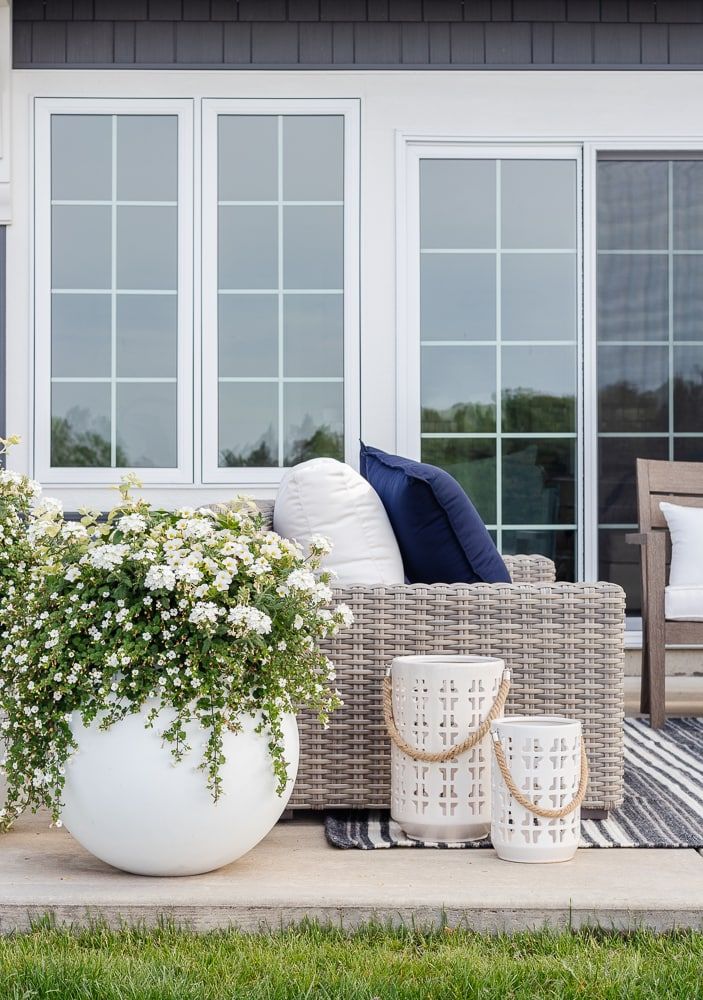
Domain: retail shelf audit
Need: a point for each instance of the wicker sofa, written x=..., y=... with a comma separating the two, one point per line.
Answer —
x=564, y=644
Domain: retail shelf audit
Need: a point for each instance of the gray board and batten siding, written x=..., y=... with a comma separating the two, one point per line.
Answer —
x=363, y=34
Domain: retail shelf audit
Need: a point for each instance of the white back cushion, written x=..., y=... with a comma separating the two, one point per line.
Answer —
x=684, y=595
x=326, y=497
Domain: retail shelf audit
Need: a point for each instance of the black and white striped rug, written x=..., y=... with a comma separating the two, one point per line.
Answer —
x=663, y=804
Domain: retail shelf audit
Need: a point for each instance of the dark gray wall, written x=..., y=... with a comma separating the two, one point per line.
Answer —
x=358, y=33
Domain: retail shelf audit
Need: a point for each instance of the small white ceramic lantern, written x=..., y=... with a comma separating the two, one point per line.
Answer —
x=545, y=771
x=437, y=702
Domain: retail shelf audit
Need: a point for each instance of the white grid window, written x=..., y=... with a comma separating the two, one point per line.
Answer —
x=114, y=357
x=280, y=324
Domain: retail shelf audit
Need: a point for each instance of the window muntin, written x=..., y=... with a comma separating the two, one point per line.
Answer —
x=280, y=289
x=649, y=336
x=499, y=264
x=113, y=284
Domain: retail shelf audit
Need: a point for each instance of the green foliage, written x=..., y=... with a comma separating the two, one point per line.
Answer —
x=373, y=963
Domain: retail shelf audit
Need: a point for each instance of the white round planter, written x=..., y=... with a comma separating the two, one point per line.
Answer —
x=130, y=804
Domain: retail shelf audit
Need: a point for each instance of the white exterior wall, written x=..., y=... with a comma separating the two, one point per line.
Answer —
x=591, y=108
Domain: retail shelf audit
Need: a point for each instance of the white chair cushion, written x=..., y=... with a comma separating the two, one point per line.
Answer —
x=683, y=598
x=684, y=603
x=326, y=497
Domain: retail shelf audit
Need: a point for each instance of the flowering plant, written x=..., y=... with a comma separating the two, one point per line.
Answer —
x=205, y=612
x=18, y=494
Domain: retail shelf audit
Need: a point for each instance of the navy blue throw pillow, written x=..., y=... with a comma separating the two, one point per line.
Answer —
x=441, y=536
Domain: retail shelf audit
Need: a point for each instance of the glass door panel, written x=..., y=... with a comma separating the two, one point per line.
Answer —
x=649, y=336
x=499, y=321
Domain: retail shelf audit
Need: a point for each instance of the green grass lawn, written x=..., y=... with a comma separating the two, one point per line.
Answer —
x=166, y=964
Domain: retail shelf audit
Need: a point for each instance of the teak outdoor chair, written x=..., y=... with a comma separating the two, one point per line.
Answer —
x=679, y=483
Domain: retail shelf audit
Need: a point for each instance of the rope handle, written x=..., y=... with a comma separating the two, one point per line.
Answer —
x=451, y=753
x=524, y=801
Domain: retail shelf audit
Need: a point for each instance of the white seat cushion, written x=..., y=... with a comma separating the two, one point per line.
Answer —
x=684, y=603
x=683, y=599
x=326, y=497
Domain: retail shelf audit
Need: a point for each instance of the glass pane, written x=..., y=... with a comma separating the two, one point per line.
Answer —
x=457, y=204
x=313, y=158
x=81, y=157
x=147, y=247
x=80, y=424
x=313, y=338
x=81, y=335
x=633, y=388
x=457, y=297
x=539, y=481
x=313, y=421
x=633, y=297
x=313, y=247
x=248, y=424
x=80, y=246
x=247, y=158
x=619, y=563
x=559, y=546
x=147, y=336
x=472, y=462
x=633, y=205
x=688, y=204
x=248, y=247
x=538, y=295
x=617, y=500
x=248, y=335
x=146, y=425
x=458, y=389
x=688, y=297
x=688, y=449
x=688, y=389
x=538, y=204
x=147, y=158
x=539, y=389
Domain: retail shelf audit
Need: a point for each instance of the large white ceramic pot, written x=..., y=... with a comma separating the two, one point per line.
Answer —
x=130, y=804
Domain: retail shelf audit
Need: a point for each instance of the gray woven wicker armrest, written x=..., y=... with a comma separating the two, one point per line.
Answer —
x=564, y=644
x=530, y=569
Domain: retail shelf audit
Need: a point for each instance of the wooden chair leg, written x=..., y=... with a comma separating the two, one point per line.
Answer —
x=657, y=684
x=644, y=684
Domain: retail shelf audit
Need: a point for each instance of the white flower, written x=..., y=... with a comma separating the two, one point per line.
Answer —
x=301, y=579
x=72, y=573
x=320, y=544
x=49, y=507
x=243, y=617
x=74, y=530
x=298, y=623
x=106, y=556
x=160, y=578
x=133, y=524
x=345, y=612
x=205, y=612
x=222, y=581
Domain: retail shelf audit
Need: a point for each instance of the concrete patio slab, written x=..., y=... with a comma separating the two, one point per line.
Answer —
x=294, y=874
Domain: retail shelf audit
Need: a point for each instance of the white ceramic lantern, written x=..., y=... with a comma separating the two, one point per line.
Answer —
x=434, y=704
x=539, y=775
x=128, y=802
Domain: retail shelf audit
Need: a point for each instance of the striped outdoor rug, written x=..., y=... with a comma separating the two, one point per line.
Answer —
x=663, y=799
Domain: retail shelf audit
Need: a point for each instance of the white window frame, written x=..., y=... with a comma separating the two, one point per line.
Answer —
x=410, y=150
x=44, y=108
x=211, y=109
